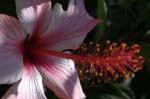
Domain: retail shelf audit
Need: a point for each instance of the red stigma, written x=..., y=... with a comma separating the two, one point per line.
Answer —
x=112, y=62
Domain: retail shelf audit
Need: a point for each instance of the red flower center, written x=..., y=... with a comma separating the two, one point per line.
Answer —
x=29, y=45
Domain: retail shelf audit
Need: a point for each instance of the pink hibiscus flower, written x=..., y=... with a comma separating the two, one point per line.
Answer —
x=30, y=49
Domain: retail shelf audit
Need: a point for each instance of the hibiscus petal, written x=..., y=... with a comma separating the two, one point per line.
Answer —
x=74, y=24
x=11, y=59
x=62, y=78
x=34, y=15
x=30, y=87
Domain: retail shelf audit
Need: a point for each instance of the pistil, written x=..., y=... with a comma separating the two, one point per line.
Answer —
x=116, y=60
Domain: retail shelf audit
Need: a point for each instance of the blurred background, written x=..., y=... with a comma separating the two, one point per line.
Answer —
x=123, y=21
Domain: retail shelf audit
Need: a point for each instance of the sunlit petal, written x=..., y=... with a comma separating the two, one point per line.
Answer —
x=34, y=14
x=61, y=77
x=72, y=24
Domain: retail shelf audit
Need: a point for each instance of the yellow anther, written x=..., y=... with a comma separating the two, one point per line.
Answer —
x=114, y=44
x=134, y=66
x=97, y=49
x=81, y=72
x=87, y=71
x=110, y=48
x=137, y=51
x=100, y=74
x=84, y=49
x=127, y=75
x=97, y=62
x=123, y=45
x=97, y=45
x=135, y=70
x=84, y=44
x=124, y=72
x=113, y=71
x=96, y=73
x=91, y=43
x=108, y=42
x=116, y=76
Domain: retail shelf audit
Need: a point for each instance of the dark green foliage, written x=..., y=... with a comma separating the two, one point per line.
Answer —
x=109, y=91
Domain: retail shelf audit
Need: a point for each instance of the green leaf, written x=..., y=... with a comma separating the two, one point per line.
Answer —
x=50, y=94
x=109, y=91
x=101, y=12
x=145, y=53
x=8, y=7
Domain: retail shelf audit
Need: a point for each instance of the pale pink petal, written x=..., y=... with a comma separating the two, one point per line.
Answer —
x=11, y=66
x=74, y=23
x=62, y=78
x=11, y=59
x=34, y=14
x=30, y=87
